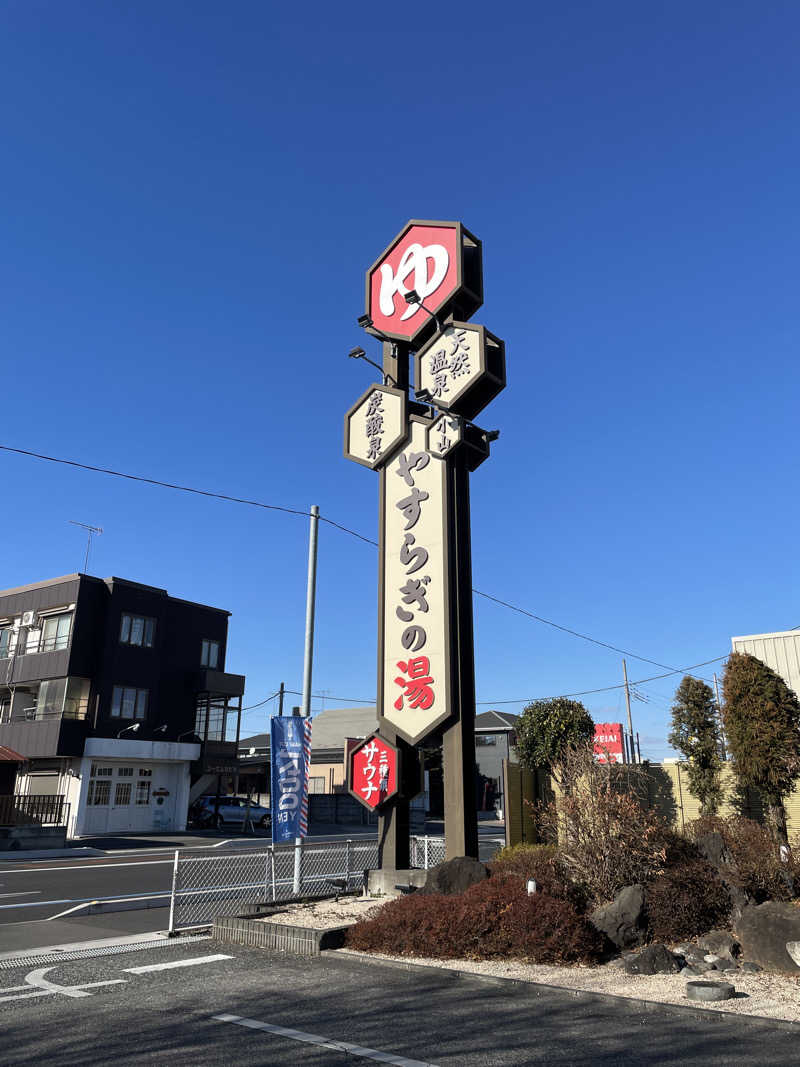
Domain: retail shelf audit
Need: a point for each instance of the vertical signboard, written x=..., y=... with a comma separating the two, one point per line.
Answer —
x=415, y=611
x=290, y=748
x=608, y=742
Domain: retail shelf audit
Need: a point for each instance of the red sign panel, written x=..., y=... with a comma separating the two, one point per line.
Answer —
x=609, y=746
x=429, y=258
x=374, y=771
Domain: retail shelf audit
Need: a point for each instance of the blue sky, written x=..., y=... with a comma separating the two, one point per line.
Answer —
x=192, y=193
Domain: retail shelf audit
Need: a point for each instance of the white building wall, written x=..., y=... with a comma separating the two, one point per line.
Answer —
x=780, y=651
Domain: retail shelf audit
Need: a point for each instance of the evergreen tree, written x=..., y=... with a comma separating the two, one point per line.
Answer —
x=547, y=729
x=696, y=735
x=762, y=724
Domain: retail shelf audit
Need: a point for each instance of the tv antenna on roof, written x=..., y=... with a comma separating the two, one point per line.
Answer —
x=91, y=530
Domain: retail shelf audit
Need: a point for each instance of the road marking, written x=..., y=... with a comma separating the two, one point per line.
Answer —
x=70, y=911
x=27, y=893
x=90, y=900
x=43, y=987
x=174, y=963
x=90, y=865
x=324, y=1042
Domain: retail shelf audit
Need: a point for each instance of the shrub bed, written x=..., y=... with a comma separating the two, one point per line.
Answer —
x=757, y=864
x=493, y=919
x=686, y=900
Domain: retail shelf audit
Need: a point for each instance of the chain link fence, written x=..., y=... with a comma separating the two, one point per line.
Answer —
x=206, y=885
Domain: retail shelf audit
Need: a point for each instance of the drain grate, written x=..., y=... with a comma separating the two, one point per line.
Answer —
x=36, y=958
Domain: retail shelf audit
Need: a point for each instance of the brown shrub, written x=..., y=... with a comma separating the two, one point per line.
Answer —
x=686, y=900
x=493, y=919
x=543, y=864
x=607, y=837
x=758, y=868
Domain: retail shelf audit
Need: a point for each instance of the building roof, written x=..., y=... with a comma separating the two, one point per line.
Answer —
x=8, y=755
x=496, y=721
x=109, y=582
x=329, y=728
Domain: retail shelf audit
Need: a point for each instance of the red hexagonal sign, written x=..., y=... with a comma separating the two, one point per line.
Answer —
x=374, y=771
x=442, y=262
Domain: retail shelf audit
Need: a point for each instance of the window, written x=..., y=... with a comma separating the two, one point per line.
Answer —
x=50, y=699
x=142, y=792
x=129, y=703
x=55, y=633
x=99, y=792
x=485, y=739
x=137, y=630
x=101, y=772
x=125, y=772
x=316, y=785
x=122, y=793
x=5, y=641
x=145, y=772
x=209, y=657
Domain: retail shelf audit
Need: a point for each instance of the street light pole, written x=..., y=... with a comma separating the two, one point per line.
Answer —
x=311, y=589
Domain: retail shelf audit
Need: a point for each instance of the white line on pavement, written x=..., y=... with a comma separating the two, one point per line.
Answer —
x=27, y=893
x=90, y=865
x=174, y=963
x=324, y=1042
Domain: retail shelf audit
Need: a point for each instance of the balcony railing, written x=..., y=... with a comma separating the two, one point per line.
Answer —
x=47, y=810
x=73, y=709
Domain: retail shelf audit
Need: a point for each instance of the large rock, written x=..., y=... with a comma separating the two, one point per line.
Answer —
x=454, y=876
x=622, y=921
x=654, y=959
x=719, y=942
x=764, y=930
x=713, y=849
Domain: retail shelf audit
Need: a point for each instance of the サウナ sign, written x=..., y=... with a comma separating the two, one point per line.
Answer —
x=374, y=771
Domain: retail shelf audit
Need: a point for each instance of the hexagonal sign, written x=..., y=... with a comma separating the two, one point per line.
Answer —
x=444, y=434
x=441, y=261
x=462, y=368
x=375, y=426
x=374, y=771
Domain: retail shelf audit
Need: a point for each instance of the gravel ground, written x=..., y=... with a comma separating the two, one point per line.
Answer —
x=770, y=996
x=325, y=914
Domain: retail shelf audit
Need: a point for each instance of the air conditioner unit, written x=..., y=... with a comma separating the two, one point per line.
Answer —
x=28, y=618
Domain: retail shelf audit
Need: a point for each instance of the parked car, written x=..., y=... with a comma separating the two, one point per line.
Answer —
x=231, y=813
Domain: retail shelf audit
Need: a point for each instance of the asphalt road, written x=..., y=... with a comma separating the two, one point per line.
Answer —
x=260, y=1008
x=38, y=895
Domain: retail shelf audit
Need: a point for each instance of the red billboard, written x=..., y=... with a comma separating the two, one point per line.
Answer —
x=609, y=744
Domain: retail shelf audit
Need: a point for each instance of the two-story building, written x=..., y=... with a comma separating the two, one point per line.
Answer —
x=116, y=695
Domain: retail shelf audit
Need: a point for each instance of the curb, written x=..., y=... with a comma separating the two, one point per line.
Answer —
x=299, y=940
x=522, y=985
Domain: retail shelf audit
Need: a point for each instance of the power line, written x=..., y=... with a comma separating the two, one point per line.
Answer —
x=184, y=489
x=336, y=525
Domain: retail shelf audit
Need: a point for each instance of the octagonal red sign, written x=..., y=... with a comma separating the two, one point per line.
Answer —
x=374, y=771
x=441, y=261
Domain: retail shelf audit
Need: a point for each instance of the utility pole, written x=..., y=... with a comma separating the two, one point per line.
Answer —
x=311, y=588
x=723, y=753
x=628, y=705
x=281, y=691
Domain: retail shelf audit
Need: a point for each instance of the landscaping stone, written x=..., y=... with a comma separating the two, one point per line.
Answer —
x=622, y=921
x=713, y=849
x=691, y=972
x=654, y=959
x=455, y=875
x=764, y=930
x=793, y=948
x=750, y=967
x=710, y=957
x=709, y=991
x=719, y=942
x=727, y=965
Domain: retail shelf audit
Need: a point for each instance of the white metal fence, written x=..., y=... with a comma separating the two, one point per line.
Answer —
x=214, y=883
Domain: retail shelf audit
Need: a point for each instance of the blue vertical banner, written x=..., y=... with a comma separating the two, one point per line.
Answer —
x=290, y=757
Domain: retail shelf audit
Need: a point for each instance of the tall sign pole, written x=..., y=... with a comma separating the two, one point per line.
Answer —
x=419, y=295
